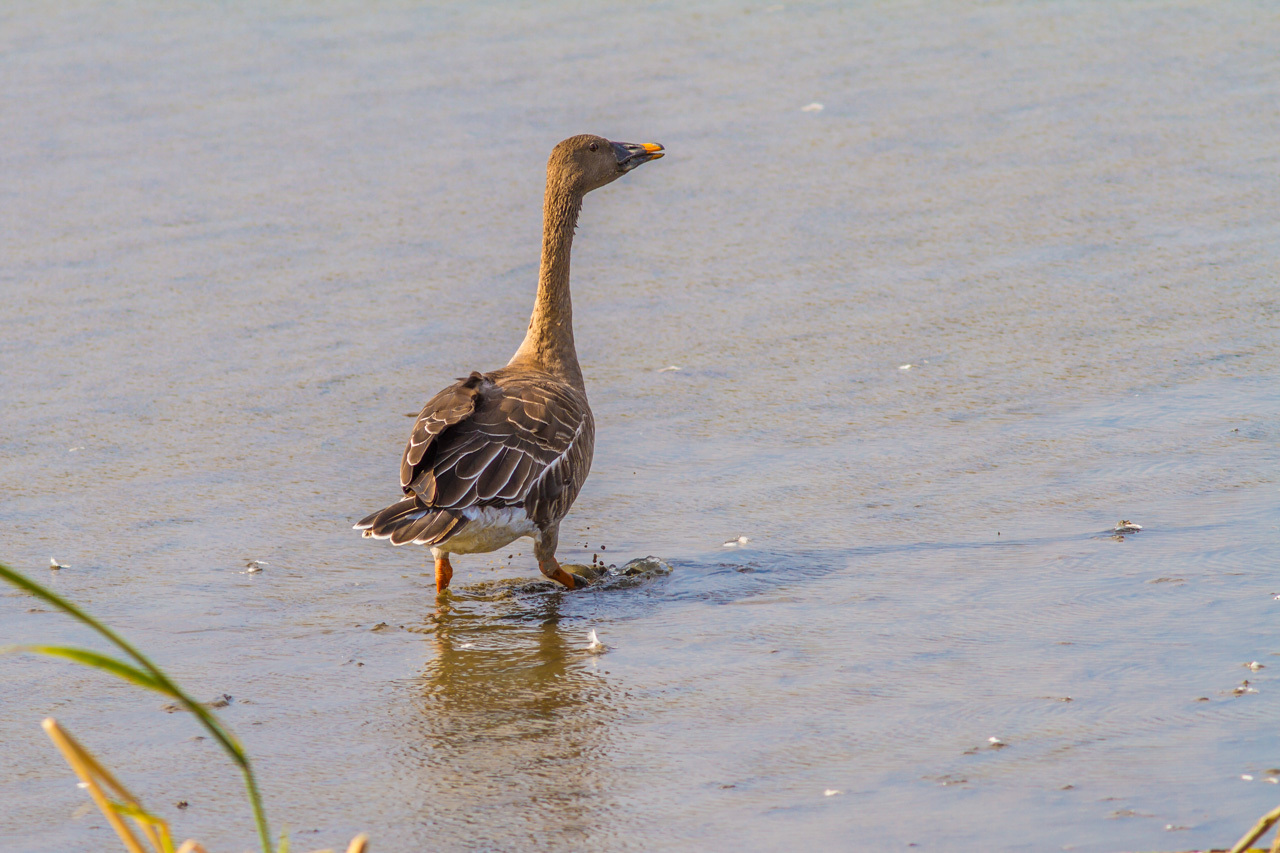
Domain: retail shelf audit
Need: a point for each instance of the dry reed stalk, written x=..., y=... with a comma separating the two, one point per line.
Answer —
x=93, y=776
x=1259, y=829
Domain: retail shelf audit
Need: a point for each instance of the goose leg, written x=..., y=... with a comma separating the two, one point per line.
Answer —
x=444, y=572
x=544, y=548
x=552, y=569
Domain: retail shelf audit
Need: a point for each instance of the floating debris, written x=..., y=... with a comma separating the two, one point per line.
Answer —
x=737, y=543
x=219, y=702
x=671, y=368
x=54, y=564
x=594, y=645
x=1126, y=526
x=815, y=107
x=182, y=804
x=831, y=792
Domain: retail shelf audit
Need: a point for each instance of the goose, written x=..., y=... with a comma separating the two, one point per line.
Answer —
x=501, y=455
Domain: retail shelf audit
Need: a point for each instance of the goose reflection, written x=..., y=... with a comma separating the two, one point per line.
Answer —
x=514, y=718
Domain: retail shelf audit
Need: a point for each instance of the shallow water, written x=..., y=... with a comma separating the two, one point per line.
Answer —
x=239, y=245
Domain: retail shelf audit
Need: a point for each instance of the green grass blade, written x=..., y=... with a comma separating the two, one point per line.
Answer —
x=162, y=683
x=98, y=661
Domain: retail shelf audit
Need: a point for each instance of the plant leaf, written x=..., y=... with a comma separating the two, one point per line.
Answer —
x=153, y=678
x=96, y=660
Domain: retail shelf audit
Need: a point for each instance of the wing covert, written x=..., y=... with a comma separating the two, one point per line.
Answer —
x=501, y=439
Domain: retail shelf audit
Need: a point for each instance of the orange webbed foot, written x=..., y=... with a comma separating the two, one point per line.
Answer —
x=553, y=571
x=444, y=573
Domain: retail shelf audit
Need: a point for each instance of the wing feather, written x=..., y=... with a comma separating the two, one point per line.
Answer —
x=510, y=438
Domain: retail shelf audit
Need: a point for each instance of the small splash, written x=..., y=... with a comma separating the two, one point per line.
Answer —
x=54, y=564
x=599, y=577
x=1126, y=526
x=831, y=792
x=594, y=645
x=815, y=107
x=671, y=368
x=645, y=566
x=252, y=567
x=904, y=367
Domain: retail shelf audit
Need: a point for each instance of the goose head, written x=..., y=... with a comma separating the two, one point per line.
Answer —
x=584, y=163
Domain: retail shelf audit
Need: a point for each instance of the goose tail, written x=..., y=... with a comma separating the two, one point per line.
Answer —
x=408, y=522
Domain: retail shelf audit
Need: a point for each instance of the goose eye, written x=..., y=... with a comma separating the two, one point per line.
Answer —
x=594, y=146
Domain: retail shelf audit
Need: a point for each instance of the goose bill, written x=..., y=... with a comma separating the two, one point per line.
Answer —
x=632, y=154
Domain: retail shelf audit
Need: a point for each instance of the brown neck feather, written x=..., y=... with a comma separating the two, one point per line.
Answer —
x=549, y=343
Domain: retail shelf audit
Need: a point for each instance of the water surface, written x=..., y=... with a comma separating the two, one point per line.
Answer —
x=1016, y=281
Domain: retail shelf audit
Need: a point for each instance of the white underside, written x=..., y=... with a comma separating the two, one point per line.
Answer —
x=488, y=529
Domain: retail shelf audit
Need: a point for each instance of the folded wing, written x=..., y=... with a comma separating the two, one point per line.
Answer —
x=509, y=438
